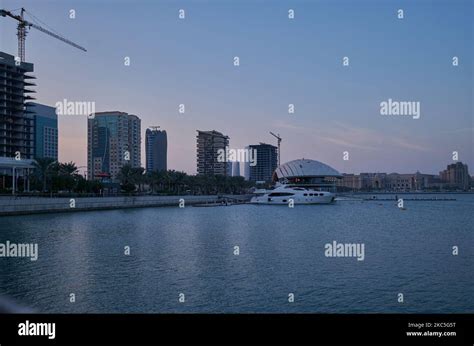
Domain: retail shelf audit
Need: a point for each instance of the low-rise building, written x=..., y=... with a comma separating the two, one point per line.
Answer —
x=391, y=182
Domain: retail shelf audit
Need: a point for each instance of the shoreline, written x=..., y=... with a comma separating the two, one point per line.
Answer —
x=28, y=205
x=408, y=193
x=13, y=206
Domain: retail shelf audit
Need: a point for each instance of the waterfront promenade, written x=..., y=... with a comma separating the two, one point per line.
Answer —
x=15, y=205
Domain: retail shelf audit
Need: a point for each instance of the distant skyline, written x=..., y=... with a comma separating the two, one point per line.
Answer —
x=282, y=61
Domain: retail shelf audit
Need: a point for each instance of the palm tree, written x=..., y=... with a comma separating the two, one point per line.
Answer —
x=44, y=169
x=68, y=168
x=125, y=176
x=180, y=179
x=154, y=179
x=130, y=177
x=138, y=177
x=68, y=175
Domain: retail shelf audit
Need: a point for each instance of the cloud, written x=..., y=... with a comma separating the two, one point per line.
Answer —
x=460, y=130
x=349, y=136
x=403, y=143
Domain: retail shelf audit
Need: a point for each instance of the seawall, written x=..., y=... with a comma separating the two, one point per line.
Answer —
x=36, y=205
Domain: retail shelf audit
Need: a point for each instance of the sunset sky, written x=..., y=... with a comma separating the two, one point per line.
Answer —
x=282, y=61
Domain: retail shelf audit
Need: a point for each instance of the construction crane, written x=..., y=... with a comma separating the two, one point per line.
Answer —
x=279, y=141
x=22, y=30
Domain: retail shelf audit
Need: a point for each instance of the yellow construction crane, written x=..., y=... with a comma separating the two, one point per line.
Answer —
x=22, y=30
x=279, y=141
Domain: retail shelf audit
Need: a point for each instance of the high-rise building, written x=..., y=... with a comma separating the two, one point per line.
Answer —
x=246, y=167
x=113, y=140
x=156, y=146
x=456, y=175
x=209, y=146
x=265, y=164
x=16, y=123
x=236, y=169
x=46, y=130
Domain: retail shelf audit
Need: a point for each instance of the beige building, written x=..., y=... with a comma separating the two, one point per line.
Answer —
x=209, y=144
x=384, y=181
x=456, y=175
x=363, y=181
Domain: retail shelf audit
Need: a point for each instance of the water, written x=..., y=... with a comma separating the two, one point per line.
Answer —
x=190, y=251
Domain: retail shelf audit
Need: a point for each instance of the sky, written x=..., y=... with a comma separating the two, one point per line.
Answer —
x=282, y=61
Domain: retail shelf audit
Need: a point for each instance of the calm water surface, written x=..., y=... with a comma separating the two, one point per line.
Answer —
x=190, y=251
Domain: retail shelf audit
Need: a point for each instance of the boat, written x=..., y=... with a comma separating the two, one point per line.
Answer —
x=222, y=203
x=204, y=205
x=283, y=194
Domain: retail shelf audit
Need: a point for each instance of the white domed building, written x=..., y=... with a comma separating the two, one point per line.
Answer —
x=305, y=172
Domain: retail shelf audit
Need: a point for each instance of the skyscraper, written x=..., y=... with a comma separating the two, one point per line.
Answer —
x=236, y=169
x=209, y=146
x=46, y=130
x=16, y=123
x=113, y=140
x=266, y=162
x=247, y=167
x=156, y=146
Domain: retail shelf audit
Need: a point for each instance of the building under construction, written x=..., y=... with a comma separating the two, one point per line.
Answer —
x=17, y=137
x=16, y=123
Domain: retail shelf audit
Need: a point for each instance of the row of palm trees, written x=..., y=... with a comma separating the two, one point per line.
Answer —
x=50, y=175
x=175, y=182
x=54, y=176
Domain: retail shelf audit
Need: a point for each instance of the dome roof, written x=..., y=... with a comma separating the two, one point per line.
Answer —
x=305, y=168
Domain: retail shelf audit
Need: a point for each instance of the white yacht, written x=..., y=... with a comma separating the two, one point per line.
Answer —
x=300, y=195
x=304, y=181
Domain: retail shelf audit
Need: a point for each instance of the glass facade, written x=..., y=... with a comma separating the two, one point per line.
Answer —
x=113, y=140
x=46, y=130
x=156, y=146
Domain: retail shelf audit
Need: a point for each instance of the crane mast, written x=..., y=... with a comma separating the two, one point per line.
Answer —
x=22, y=30
x=279, y=141
x=21, y=33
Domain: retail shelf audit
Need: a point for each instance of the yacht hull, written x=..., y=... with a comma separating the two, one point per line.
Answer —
x=286, y=195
